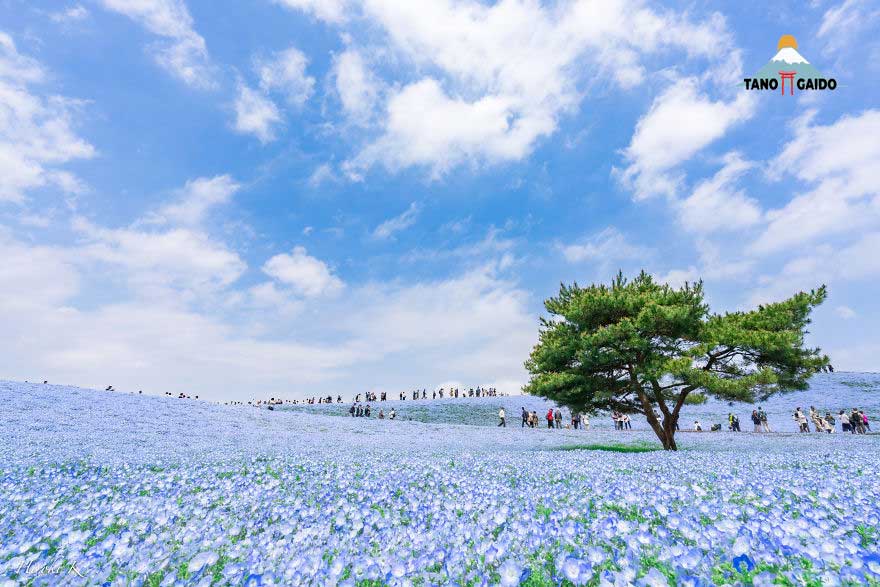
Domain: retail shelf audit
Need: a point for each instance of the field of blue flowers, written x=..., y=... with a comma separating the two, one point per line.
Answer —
x=102, y=488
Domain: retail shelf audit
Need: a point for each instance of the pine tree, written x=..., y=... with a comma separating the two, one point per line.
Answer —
x=642, y=347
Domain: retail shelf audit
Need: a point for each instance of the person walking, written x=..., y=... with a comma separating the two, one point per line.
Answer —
x=856, y=422
x=756, y=420
x=865, y=423
x=844, y=421
x=818, y=424
x=829, y=422
x=765, y=425
x=801, y=420
x=525, y=417
x=557, y=417
x=585, y=421
x=502, y=418
x=732, y=423
x=550, y=418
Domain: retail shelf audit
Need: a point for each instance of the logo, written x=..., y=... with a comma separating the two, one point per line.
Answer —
x=788, y=68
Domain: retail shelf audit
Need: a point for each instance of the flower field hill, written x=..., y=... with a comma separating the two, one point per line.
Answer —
x=109, y=488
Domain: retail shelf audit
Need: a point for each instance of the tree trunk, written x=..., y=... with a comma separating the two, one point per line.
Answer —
x=669, y=431
x=665, y=431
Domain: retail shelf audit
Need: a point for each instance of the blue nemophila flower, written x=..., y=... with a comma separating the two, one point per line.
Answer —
x=872, y=563
x=743, y=563
x=294, y=504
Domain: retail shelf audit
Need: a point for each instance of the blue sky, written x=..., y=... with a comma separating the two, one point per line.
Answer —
x=289, y=197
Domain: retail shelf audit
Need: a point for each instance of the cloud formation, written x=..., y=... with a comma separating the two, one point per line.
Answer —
x=184, y=54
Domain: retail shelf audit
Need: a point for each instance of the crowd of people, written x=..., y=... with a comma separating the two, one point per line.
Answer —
x=553, y=417
x=370, y=396
x=855, y=421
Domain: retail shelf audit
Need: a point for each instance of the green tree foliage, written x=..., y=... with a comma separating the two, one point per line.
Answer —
x=642, y=347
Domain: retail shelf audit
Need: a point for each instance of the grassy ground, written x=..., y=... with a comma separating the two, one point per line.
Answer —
x=614, y=447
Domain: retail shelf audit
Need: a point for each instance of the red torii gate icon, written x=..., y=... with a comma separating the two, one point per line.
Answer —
x=787, y=75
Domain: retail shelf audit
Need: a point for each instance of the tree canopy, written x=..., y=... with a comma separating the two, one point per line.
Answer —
x=642, y=347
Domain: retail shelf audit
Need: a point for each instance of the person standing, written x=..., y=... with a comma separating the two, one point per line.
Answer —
x=502, y=418
x=765, y=425
x=550, y=418
x=756, y=420
x=525, y=417
x=865, y=423
x=585, y=421
x=557, y=417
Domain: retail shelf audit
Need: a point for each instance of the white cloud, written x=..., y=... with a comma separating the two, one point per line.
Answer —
x=185, y=55
x=322, y=173
x=36, y=132
x=473, y=327
x=678, y=277
x=841, y=163
x=426, y=127
x=400, y=222
x=159, y=263
x=15, y=67
x=491, y=246
x=494, y=79
x=308, y=276
x=607, y=246
x=843, y=24
x=860, y=259
x=195, y=200
x=468, y=326
x=165, y=255
x=357, y=88
x=269, y=296
x=285, y=72
x=717, y=205
x=74, y=13
x=827, y=264
x=681, y=122
x=328, y=10
x=715, y=264
x=256, y=114
x=845, y=312
x=34, y=277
